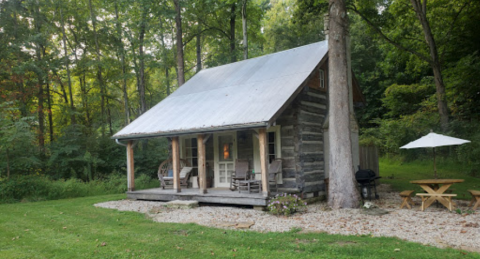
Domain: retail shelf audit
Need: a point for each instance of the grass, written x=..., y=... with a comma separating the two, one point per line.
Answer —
x=73, y=228
x=399, y=174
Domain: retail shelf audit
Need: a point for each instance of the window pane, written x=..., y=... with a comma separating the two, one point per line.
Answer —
x=271, y=137
x=225, y=148
x=271, y=149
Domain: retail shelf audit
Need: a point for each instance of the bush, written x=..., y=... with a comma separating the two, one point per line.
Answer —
x=39, y=188
x=286, y=204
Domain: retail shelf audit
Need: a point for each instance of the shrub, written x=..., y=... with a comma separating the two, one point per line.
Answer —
x=39, y=187
x=286, y=204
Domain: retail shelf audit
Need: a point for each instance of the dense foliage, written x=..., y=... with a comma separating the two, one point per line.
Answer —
x=40, y=188
x=72, y=73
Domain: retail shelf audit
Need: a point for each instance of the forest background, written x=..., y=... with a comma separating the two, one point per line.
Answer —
x=74, y=72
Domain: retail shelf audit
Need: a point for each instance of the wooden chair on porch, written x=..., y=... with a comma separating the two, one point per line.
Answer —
x=165, y=173
x=241, y=173
x=274, y=169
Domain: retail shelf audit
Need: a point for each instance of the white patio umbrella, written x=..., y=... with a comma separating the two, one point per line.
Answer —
x=434, y=140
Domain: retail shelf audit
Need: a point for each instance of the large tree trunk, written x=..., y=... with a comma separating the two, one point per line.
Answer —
x=122, y=56
x=421, y=12
x=233, y=16
x=244, y=27
x=141, y=84
x=67, y=64
x=99, y=67
x=342, y=190
x=180, y=60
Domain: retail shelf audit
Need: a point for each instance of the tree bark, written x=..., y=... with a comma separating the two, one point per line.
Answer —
x=199, y=50
x=180, y=59
x=99, y=67
x=233, y=16
x=421, y=13
x=244, y=27
x=122, y=56
x=67, y=65
x=342, y=190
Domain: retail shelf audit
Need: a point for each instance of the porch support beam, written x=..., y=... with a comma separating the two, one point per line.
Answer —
x=262, y=139
x=202, y=169
x=176, y=164
x=130, y=167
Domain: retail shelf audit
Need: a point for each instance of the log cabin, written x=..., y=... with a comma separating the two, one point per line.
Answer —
x=260, y=109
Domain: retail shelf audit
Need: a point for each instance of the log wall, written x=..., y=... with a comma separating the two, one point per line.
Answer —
x=302, y=143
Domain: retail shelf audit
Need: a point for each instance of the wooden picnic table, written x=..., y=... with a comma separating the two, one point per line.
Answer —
x=435, y=189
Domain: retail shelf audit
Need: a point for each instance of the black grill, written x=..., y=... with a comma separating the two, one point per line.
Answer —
x=366, y=180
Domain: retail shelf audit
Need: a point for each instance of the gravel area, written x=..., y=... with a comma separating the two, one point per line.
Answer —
x=435, y=226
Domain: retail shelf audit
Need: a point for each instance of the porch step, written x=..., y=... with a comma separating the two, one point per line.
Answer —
x=289, y=179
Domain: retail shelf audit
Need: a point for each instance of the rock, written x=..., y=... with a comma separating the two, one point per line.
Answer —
x=244, y=225
x=226, y=224
x=177, y=204
x=374, y=212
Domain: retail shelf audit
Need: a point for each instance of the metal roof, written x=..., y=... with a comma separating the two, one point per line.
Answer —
x=244, y=94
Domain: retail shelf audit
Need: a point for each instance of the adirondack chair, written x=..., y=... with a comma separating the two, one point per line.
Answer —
x=241, y=173
x=274, y=168
x=165, y=173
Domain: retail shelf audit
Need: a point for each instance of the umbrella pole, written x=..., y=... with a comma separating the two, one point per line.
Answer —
x=434, y=164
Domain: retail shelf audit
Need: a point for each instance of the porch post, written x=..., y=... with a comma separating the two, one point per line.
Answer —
x=176, y=164
x=262, y=139
x=130, y=167
x=202, y=170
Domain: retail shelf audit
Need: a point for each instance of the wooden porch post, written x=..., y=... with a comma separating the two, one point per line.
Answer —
x=176, y=164
x=262, y=139
x=202, y=170
x=130, y=167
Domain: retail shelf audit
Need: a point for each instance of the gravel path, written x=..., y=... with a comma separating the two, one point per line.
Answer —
x=435, y=226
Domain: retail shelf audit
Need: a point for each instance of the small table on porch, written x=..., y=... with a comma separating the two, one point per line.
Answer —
x=249, y=185
x=435, y=189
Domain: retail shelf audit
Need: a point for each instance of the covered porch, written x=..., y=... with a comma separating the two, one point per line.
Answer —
x=213, y=195
x=203, y=193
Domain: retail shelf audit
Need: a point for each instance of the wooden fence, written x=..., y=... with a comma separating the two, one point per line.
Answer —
x=369, y=158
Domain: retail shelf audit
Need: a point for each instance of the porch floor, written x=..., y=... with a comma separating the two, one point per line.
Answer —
x=213, y=195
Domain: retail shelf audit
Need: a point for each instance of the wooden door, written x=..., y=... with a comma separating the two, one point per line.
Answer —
x=225, y=151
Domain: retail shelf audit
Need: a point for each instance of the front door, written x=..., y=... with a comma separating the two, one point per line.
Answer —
x=225, y=150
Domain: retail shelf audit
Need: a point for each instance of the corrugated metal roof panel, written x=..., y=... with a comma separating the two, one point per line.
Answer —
x=248, y=92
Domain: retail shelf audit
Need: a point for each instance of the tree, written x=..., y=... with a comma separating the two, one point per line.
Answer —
x=180, y=59
x=401, y=13
x=342, y=190
x=244, y=29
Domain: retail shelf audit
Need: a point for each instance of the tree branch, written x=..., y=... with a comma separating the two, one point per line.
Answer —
x=396, y=44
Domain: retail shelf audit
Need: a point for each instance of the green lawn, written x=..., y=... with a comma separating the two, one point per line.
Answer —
x=73, y=228
x=399, y=175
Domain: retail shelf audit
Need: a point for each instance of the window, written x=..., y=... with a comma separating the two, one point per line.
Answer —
x=226, y=148
x=322, y=78
x=191, y=153
x=271, y=146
